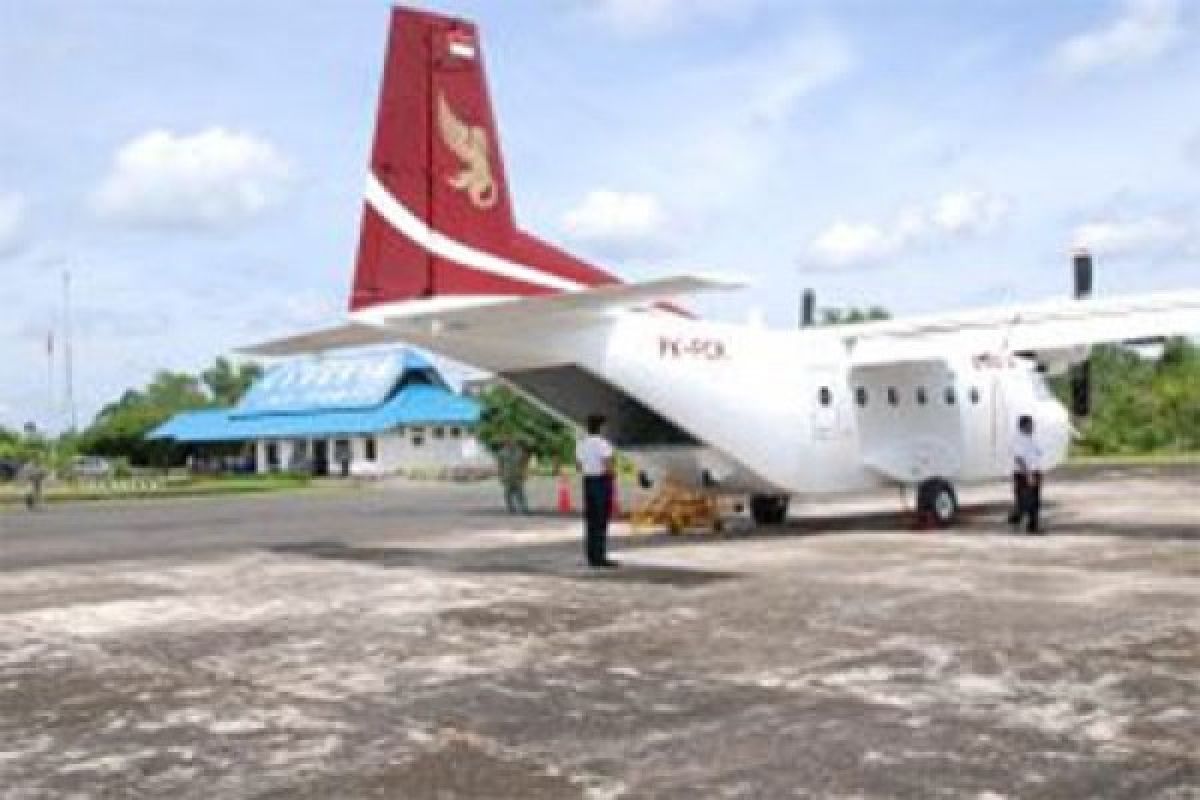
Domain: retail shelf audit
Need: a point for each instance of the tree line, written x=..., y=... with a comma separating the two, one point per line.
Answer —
x=1140, y=405
x=119, y=429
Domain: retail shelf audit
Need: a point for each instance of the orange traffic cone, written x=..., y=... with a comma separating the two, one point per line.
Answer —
x=564, y=493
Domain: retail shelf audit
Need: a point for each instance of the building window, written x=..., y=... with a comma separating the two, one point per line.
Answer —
x=922, y=396
x=439, y=433
x=974, y=396
x=825, y=396
x=951, y=396
x=860, y=395
x=273, y=455
x=370, y=450
x=893, y=396
x=455, y=432
x=418, y=440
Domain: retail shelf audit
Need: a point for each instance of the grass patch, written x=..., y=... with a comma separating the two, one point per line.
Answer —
x=1135, y=459
x=149, y=488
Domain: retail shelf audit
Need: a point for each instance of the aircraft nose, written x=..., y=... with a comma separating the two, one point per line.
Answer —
x=1055, y=425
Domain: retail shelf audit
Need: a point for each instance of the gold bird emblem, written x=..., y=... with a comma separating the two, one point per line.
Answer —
x=469, y=143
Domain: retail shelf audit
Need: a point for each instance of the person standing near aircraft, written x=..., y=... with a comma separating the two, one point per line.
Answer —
x=513, y=461
x=1027, y=477
x=35, y=473
x=596, y=461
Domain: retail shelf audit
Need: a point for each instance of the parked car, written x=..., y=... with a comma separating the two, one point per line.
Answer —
x=10, y=469
x=91, y=467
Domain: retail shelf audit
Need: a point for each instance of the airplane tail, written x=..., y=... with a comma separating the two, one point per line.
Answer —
x=438, y=217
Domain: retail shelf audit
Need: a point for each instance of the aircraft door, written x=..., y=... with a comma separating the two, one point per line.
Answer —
x=1000, y=433
x=828, y=406
x=1012, y=396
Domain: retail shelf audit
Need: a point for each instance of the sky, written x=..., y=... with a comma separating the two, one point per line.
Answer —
x=197, y=167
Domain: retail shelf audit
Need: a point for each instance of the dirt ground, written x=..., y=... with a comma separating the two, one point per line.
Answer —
x=414, y=643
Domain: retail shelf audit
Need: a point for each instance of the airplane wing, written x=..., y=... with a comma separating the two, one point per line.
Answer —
x=390, y=325
x=1045, y=327
x=352, y=334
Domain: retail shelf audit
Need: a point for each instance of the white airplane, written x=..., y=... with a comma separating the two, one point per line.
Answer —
x=927, y=402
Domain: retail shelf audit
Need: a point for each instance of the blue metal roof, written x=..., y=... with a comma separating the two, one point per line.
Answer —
x=422, y=398
x=311, y=384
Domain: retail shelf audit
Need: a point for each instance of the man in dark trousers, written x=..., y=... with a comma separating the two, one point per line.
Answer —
x=513, y=461
x=35, y=473
x=595, y=458
x=1027, y=477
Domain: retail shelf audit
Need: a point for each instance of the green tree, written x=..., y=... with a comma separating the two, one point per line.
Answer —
x=508, y=414
x=1142, y=405
x=852, y=315
x=120, y=429
x=228, y=382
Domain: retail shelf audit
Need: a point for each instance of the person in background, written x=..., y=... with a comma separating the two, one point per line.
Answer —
x=1027, y=477
x=512, y=460
x=35, y=473
x=596, y=460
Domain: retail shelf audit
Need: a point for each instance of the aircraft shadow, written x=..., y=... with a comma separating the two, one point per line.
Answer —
x=564, y=558
x=557, y=559
x=1145, y=530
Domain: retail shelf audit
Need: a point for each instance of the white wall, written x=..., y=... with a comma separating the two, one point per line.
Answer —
x=397, y=451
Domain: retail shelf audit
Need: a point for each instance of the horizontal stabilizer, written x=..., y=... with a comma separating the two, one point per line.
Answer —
x=352, y=334
x=389, y=324
x=598, y=300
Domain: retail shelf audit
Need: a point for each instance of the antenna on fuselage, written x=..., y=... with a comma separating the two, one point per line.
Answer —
x=1081, y=373
x=808, y=308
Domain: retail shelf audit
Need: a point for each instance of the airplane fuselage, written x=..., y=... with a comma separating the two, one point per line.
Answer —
x=745, y=409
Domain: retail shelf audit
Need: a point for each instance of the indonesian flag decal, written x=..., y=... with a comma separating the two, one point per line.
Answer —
x=460, y=44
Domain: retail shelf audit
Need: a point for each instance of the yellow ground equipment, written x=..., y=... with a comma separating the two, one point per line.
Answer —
x=678, y=509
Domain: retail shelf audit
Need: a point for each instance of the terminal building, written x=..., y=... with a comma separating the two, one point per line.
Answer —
x=373, y=415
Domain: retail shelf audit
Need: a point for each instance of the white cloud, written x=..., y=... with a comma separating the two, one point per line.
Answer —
x=618, y=222
x=969, y=212
x=850, y=243
x=965, y=213
x=1148, y=236
x=1143, y=31
x=213, y=179
x=12, y=223
x=644, y=17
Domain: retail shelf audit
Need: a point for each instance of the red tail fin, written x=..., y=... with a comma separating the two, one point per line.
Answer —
x=438, y=216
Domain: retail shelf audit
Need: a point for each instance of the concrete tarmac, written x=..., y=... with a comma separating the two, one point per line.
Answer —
x=417, y=644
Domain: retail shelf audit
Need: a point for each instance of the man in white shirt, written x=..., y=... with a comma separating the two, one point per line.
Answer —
x=1027, y=477
x=595, y=458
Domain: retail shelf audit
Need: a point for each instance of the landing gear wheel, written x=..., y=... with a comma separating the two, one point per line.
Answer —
x=769, y=509
x=936, y=500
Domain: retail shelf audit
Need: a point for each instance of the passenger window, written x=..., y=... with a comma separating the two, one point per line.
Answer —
x=922, y=396
x=825, y=396
x=974, y=396
x=951, y=397
x=893, y=396
x=860, y=395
